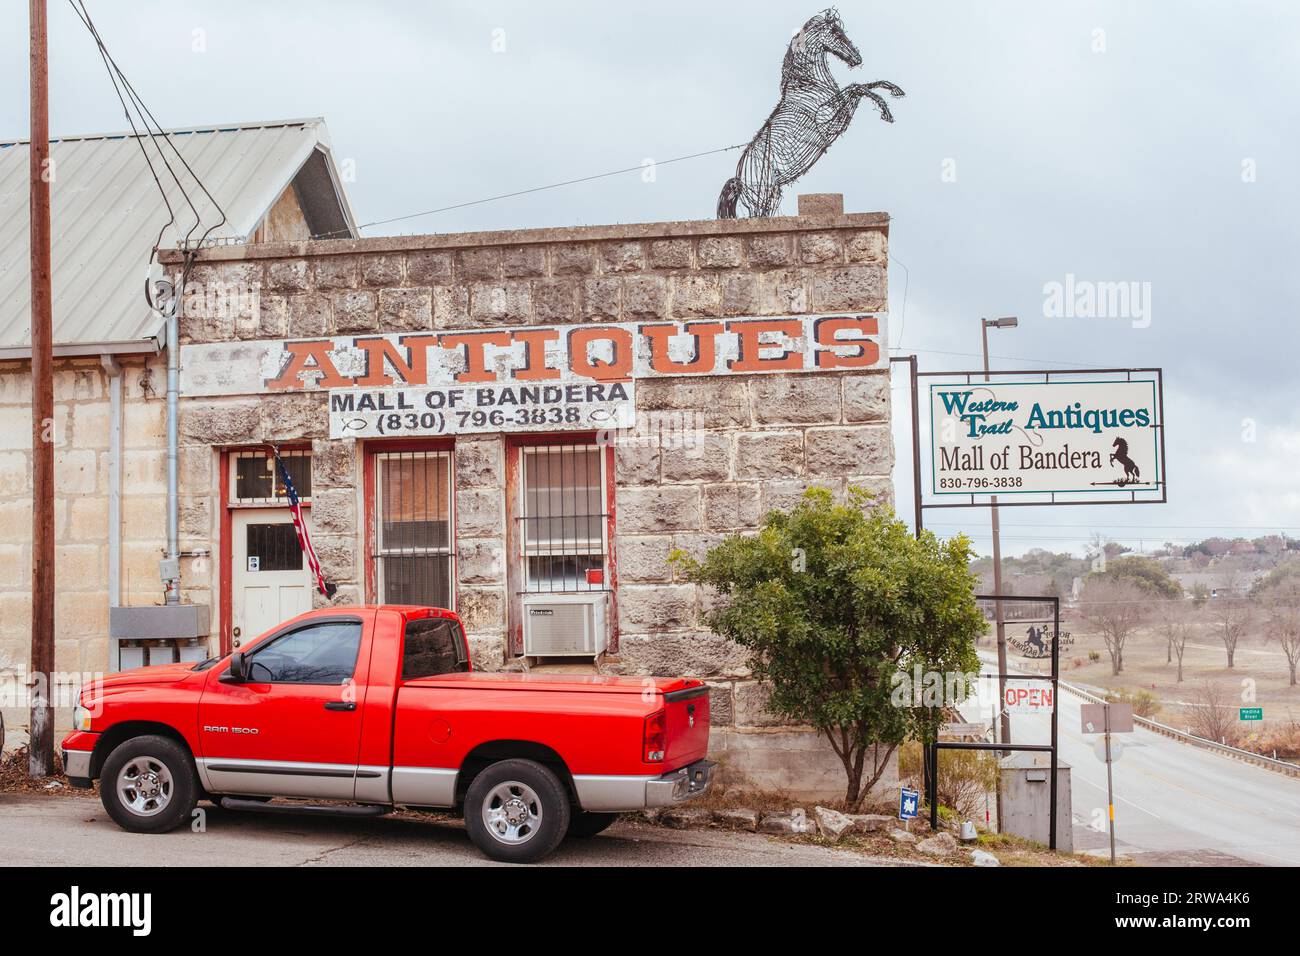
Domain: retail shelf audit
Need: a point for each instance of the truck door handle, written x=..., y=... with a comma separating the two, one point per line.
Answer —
x=340, y=705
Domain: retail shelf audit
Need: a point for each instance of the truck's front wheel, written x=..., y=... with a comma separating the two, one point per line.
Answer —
x=516, y=811
x=149, y=784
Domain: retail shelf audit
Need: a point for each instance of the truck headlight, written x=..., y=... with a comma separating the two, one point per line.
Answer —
x=80, y=718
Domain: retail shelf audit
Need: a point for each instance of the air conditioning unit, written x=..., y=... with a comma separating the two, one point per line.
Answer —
x=564, y=625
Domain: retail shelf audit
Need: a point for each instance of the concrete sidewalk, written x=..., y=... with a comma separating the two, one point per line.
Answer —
x=75, y=831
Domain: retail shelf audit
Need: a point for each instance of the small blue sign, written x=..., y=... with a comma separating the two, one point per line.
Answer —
x=908, y=800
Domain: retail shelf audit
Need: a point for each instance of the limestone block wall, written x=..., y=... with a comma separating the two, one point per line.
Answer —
x=81, y=435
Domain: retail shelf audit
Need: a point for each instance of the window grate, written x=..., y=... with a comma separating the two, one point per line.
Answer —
x=413, y=536
x=563, y=522
x=257, y=481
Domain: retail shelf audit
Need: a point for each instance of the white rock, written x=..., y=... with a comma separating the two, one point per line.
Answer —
x=832, y=824
x=941, y=844
x=902, y=836
x=983, y=858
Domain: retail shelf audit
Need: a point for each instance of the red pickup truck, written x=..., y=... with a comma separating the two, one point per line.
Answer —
x=373, y=708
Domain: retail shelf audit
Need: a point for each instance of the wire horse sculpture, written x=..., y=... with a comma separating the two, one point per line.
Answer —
x=812, y=113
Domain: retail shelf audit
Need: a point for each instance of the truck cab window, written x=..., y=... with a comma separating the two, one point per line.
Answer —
x=323, y=653
x=433, y=646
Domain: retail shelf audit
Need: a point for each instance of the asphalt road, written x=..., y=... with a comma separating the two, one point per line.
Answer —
x=1174, y=803
x=75, y=831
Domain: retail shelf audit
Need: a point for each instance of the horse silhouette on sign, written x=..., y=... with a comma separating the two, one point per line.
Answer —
x=812, y=113
x=1131, y=472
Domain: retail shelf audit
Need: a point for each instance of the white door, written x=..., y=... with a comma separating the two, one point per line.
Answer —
x=269, y=580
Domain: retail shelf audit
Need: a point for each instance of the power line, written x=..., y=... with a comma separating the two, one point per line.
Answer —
x=524, y=192
x=145, y=115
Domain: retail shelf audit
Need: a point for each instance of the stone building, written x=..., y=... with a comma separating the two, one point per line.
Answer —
x=520, y=425
x=736, y=363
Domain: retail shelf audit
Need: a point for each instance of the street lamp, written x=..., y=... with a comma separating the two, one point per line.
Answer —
x=1006, y=322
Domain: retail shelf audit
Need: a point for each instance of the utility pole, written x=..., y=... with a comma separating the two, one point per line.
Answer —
x=40, y=761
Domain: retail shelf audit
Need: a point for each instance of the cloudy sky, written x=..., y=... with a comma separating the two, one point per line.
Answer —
x=1112, y=141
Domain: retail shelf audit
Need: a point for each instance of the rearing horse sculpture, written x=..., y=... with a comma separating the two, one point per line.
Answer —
x=811, y=114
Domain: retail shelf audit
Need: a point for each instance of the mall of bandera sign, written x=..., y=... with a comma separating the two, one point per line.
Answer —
x=1094, y=437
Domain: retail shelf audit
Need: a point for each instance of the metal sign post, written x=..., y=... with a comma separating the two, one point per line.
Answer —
x=1109, y=719
x=1110, y=786
x=932, y=789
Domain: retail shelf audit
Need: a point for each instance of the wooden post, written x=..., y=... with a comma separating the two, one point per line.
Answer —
x=41, y=728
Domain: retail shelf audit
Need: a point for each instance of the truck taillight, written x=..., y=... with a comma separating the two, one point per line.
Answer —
x=655, y=738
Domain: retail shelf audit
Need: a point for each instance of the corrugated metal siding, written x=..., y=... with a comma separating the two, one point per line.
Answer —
x=107, y=212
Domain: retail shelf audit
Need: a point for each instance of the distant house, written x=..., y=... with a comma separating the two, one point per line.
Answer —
x=1218, y=583
x=274, y=181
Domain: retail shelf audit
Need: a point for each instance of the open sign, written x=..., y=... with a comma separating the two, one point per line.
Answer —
x=1029, y=697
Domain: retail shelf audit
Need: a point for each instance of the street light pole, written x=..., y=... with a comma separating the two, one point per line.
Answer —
x=1008, y=322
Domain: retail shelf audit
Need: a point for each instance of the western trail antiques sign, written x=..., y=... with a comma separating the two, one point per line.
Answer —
x=1009, y=438
x=538, y=355
x=462, y=409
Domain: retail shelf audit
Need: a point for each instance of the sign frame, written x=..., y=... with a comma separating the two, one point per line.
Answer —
x=932, y=757
x=982, y=499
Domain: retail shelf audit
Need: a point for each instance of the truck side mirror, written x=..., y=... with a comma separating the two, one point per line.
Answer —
x=238, y=669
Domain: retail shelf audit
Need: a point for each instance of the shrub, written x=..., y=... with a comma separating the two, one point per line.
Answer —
x=1145, y=703
x=966, y=777
x=835, y=603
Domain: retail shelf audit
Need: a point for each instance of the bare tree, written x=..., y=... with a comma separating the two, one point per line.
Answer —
x=1211, y=715
x=1117, y=609
x=1178, y=620
x=1231, y=611
x=1282, y=606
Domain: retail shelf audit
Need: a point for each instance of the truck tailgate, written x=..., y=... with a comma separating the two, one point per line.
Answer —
x=686, y=724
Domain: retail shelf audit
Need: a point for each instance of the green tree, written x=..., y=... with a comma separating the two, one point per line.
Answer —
x=834, y=602
x=1143, y=572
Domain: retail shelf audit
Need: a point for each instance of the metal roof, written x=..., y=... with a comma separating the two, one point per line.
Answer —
x=106, y=214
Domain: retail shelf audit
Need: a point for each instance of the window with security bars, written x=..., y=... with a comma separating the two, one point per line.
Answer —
x=563, y=518
x=413, y=536
x=257, y=481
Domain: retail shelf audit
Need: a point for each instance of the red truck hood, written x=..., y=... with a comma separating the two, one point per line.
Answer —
x=155, y=674
x=605, y=683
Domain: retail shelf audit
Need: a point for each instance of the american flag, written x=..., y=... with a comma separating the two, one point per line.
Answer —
x=300, y=526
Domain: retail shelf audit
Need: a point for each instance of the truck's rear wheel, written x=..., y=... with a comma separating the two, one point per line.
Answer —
x=516, y=811
x=149, y=784
x=588, y=823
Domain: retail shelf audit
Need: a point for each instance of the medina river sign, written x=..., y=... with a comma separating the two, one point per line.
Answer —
x=1009, y=438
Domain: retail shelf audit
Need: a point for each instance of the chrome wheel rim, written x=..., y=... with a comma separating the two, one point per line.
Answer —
x=512, y=812
x=145, y=786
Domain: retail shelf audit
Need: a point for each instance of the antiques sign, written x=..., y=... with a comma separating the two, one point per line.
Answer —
x=538, y=355
x=462, y=409
x=1008, y=438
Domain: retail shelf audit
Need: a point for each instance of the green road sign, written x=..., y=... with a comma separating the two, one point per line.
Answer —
x=1252, y=713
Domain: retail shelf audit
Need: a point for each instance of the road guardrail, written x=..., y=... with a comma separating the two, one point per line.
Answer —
x=1281, y=766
